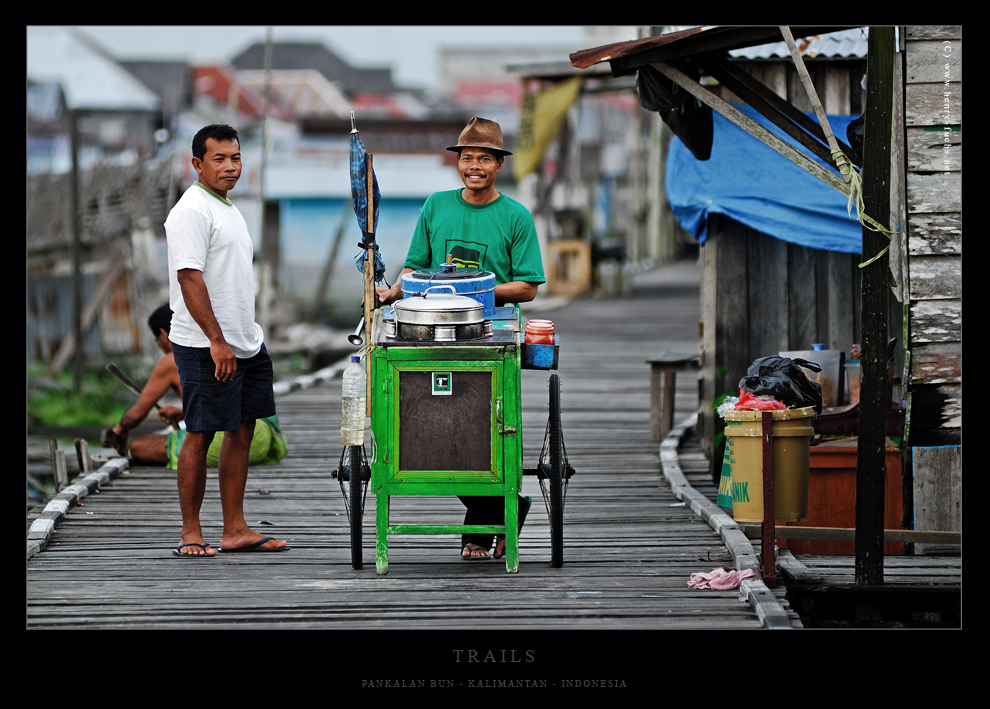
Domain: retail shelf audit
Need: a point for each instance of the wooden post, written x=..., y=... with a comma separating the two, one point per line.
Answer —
x=77, y=256
x=871, y=464
x=768, y=542
x=59, y=474
x=369, y=279
x=82, y=455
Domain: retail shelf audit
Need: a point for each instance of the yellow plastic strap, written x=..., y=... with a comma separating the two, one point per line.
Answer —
x=856, y=195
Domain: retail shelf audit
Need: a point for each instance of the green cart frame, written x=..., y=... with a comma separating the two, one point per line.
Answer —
x=446, y=420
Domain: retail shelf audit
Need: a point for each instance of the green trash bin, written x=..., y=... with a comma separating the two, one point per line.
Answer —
x=792, y=433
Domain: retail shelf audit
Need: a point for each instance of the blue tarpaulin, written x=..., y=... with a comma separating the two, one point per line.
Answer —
x=750, y=182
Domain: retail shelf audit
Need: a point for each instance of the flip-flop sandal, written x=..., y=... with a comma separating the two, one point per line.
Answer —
x=177, y=551
x=473, y=548
x=256, y=547
x=523, y=511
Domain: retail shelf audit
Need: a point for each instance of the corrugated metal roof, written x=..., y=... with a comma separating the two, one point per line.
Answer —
x=89, y=78
x=834, y=45
x=625, y=56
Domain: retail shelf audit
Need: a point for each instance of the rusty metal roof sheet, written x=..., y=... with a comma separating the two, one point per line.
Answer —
x=626, y=56
x=835, y=45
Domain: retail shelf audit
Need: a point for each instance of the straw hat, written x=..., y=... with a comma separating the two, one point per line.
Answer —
x=481, y=133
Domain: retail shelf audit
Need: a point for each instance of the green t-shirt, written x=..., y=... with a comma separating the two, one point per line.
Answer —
x=499, y=237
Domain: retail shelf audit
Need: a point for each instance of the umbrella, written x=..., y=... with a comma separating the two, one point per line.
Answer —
x=365, y=194
x=360, y=163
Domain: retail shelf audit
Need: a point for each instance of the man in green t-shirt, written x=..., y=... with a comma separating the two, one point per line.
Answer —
x=478, y=227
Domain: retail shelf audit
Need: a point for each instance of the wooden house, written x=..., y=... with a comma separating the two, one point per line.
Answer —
x=763, y=293
x=930, y=262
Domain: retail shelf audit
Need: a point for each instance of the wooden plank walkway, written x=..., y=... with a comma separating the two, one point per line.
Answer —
x=631, y=543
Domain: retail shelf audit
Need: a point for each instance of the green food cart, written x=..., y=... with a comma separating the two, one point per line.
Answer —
x=445, y=392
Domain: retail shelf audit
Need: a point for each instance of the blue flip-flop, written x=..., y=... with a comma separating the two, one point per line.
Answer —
x=523, y=511
x=204, y=547
x=255, y=547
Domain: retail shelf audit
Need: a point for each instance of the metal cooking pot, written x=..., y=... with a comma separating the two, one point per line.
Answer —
x=435, y=307
x=439, y=316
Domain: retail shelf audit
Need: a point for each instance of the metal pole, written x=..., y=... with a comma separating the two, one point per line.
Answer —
x=768, y=543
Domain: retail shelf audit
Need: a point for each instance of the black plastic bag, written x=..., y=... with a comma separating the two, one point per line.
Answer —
x=689, y=119
x=784, y=380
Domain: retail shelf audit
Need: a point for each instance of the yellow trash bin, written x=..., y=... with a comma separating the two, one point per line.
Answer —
x=792, y=432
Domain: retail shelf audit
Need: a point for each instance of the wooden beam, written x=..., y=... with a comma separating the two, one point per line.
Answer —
x=776, y=109
x=752, y=127
x=874, y=398
x=848, y=534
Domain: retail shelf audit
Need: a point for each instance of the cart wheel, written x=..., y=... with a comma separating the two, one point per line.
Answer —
x=356, y=503
x=556, y=475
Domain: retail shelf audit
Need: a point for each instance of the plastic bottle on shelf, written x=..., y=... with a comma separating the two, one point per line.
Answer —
x=354, y=403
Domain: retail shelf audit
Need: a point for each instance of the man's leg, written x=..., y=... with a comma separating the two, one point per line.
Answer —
x=150, y=449
x=233, y=472
x=480, y=510
x=191, y=476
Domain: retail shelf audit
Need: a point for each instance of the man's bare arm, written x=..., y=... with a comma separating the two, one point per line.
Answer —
x=515, y=292
x=197, y=298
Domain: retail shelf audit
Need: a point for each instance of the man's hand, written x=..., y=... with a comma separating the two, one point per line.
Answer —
x=170, y=414
x=114, y=438
x=225, y=360
x=389, y=295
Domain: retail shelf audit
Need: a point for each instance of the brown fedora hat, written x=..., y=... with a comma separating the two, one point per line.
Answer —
x=481, y=133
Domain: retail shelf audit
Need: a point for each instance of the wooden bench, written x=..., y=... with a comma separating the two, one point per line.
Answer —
x=665, y=367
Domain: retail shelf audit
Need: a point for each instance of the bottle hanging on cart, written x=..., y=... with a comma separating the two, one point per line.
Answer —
x=354, y=402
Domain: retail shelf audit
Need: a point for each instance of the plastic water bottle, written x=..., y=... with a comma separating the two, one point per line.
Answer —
x=354, y=399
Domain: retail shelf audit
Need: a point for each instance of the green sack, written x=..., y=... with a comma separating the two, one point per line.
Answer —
x=268, y=446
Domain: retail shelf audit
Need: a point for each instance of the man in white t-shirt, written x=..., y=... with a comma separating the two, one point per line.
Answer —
x=224, y=368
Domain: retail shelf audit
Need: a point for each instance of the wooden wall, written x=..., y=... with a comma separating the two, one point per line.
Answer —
x=933, y=264
x=932, y=272
x=761, y=296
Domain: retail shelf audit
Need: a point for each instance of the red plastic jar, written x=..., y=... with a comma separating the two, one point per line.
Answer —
x=539, y=332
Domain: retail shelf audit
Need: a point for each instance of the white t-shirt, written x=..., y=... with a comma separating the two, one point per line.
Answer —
x=209, y=234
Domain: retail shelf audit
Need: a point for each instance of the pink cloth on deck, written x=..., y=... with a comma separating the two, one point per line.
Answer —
x=719, y=579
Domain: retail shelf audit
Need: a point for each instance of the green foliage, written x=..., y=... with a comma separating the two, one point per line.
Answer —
x=100, y=400
x=720, y=373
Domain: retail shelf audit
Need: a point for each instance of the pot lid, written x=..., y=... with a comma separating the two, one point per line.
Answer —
x=446, y=274
x=438, y=299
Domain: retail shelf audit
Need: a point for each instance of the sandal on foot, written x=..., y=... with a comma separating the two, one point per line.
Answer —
x=473, y=548
x=256, y=547
x=523, y=511
x=178, y=551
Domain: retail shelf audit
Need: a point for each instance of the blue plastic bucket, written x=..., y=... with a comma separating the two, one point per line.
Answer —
x=469, y=282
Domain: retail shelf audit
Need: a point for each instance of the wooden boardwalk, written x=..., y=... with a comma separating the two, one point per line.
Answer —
x=631, y=543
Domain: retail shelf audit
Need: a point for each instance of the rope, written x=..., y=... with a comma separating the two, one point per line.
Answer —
x=856, y=195
x=842, y=162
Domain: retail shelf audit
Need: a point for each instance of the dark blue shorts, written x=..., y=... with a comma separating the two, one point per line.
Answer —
x=211, y=405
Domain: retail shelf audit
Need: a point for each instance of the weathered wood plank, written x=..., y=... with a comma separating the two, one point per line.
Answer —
x=934, y=61
x=936, y=320
x=935, y=148
x=935, y=276
x=935, y=234
x=630, y=546
x=939, y=192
